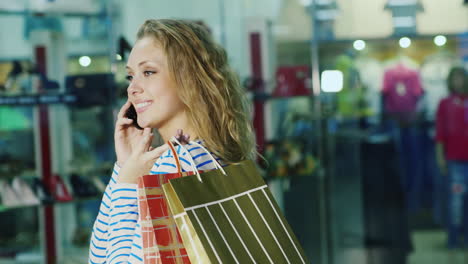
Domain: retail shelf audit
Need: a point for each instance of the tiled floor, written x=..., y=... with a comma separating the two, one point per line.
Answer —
x=430, y=249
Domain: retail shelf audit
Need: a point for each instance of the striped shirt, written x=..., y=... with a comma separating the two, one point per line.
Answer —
x=116, y=236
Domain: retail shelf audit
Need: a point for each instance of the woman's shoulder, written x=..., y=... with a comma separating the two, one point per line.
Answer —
x=192, y=153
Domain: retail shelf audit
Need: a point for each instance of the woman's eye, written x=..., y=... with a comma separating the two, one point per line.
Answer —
x=148, y=73
x=129, y=78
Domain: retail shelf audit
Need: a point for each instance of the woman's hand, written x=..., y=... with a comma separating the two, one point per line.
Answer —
x=126, y=135
x=141, y=159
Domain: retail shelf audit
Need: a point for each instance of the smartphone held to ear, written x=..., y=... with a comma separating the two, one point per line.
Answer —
x=132, y=114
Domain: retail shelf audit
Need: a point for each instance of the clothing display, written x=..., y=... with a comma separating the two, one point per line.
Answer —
x=458, y=207
x=351, y=99
x=402, y=89
x=292, y=81
x=452, y=127
x=452, y=133
x=117, y=233
x=371, y=72
x=434, y=73
x=415, y=156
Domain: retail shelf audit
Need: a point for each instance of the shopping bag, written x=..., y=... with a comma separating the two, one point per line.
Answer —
x=228, y=215
x=162, y=243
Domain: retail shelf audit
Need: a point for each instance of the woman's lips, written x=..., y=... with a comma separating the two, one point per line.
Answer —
x=141, y=107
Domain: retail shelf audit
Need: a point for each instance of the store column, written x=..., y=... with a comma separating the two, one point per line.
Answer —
x=52, y=132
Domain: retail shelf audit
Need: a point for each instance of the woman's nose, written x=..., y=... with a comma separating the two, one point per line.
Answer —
x=134, y=87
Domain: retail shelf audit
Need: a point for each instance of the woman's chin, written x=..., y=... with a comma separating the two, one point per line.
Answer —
x=144, y=124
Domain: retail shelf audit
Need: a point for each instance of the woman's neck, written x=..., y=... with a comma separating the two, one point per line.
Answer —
x=169, y=129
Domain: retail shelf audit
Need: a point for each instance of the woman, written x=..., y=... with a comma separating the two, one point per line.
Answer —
x=178, y=79
x=452, y=151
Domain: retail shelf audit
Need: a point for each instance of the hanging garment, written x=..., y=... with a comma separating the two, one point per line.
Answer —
x=371, y=73
x=402, y=90
x=434, y=73
x=452, y=127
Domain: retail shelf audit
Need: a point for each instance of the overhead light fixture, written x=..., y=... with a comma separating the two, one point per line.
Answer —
x=359, y=44
x=84, y=61
x=405, y=42
x=306, y=2
x=440, y=40
x=326, y=14
x=323, y=2
x=332, y=81
x=404, y=21
x=402, y=2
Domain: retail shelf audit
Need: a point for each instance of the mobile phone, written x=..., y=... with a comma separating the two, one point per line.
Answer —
x=132, y=114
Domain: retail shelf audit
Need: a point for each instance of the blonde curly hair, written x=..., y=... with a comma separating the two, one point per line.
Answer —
x=208, y=87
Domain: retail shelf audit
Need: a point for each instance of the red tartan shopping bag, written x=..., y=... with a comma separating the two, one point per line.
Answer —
x=162, y=243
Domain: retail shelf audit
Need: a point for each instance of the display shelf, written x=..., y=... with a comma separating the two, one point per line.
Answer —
x=4, y=12
x=79, y=200
x=32, y=99
x=267, y=96
x=26, y=257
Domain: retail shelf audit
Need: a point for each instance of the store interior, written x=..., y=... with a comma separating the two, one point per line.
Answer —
x=355, y=174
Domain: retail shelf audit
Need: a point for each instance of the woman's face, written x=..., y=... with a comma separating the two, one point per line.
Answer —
x=458, y=82
x=152, y=90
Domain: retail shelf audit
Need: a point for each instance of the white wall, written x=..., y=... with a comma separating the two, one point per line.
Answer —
x=14, y=45
x=230, y=26
x=368, y=19
x=364, y=19
x=134, y=13
x=358, y=19
x=447, y=16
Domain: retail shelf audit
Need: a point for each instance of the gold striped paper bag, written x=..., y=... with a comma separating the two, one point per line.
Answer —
x=228, y=215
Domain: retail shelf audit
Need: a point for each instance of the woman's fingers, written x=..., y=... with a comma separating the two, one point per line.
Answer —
x=123, y=110
x=187, y=138
x=157, y=152
x=145, y=141
x=124, y=121
x=181, y=137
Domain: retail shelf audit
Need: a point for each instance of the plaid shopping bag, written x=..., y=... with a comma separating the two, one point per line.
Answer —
x=162, y=243
x=228, y=215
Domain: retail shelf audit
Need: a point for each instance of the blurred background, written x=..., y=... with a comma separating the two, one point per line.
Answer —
x=344, y=97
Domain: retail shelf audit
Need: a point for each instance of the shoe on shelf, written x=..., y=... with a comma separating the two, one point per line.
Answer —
x=82, y=187
x=59, y=189
x=9, y=197
x=99, y=184
x=41, y=191
x=23, y=190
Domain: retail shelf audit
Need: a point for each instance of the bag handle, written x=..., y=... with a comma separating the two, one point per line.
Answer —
x=176, y=157
x=192, y=162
